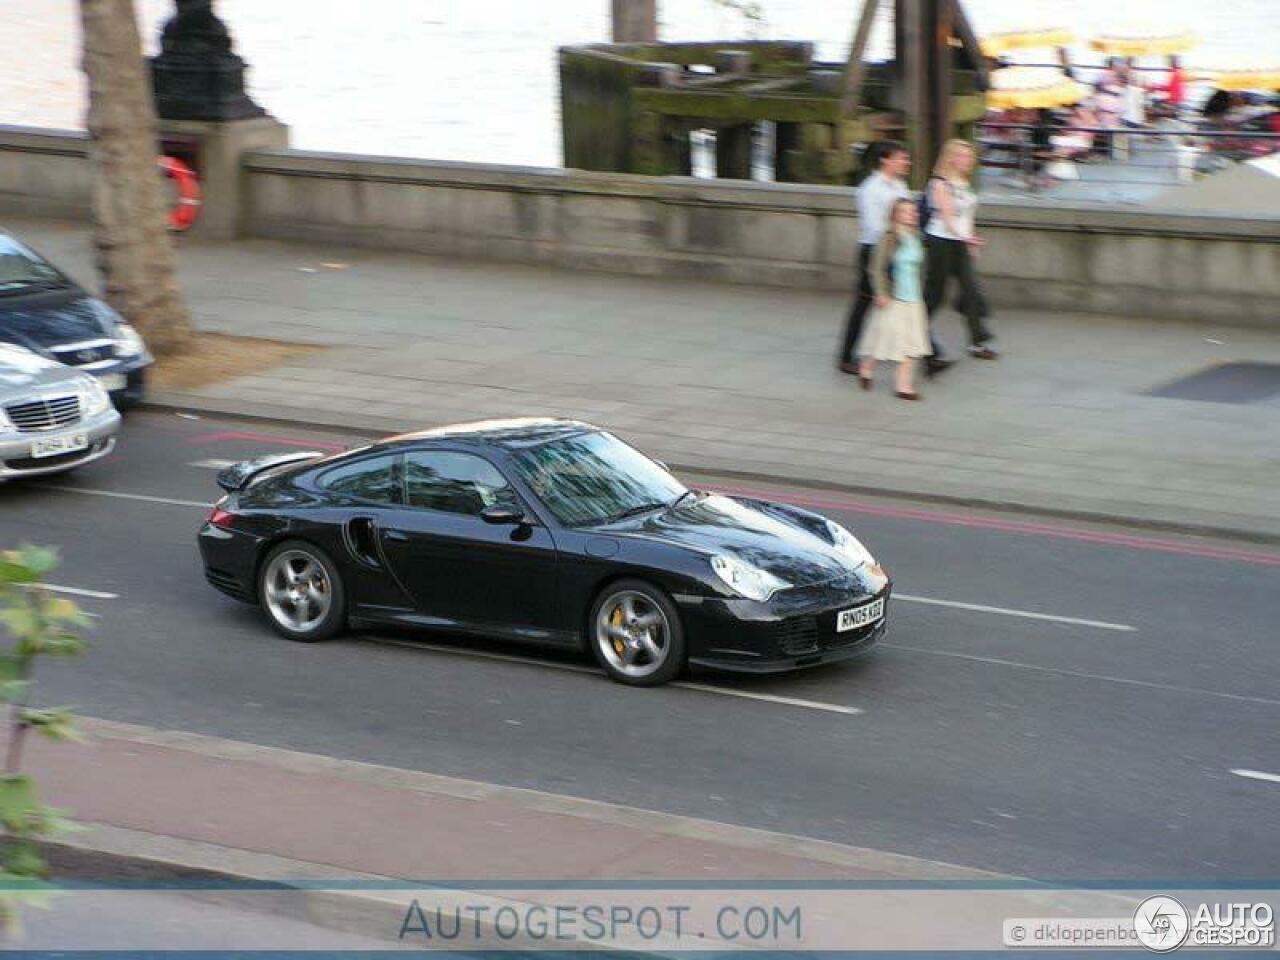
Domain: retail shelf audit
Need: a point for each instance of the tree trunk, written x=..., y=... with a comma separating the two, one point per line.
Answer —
x=135, y=251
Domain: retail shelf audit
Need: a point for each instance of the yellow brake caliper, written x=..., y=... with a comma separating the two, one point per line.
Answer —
x=615, y=619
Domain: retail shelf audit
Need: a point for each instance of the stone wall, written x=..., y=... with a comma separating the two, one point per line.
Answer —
x=44, y=173
x=1177, y=265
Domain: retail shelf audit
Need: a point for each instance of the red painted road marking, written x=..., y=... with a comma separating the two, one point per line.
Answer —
x=1017, y=526
x=226, y=435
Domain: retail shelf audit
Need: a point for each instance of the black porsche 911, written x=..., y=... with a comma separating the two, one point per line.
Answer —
x=546, y=530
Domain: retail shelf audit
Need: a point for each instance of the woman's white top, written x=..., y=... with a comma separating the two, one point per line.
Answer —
x=964, y=207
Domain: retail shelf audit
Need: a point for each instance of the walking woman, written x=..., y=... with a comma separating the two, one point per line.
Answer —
x=898, y=329
x=952, y=241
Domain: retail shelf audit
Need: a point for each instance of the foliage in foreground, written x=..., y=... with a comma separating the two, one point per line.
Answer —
x=37, y=623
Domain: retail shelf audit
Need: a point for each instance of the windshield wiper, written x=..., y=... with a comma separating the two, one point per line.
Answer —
x=681, y=499
x=635, y=511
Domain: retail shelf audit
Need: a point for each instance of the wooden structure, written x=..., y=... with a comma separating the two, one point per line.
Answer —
x=631, y=107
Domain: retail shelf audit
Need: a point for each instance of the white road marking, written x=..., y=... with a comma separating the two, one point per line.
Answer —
x=1006, y=612
x=213, y=464
x=997, y=661
x=1257, y=775
x=578, y=668
x=145, y=498
x=80, y=592
x=770, y=698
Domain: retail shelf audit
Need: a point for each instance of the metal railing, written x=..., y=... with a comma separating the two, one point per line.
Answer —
x=1140, y=159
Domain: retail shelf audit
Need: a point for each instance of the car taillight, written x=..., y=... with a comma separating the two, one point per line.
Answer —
x=222, y=518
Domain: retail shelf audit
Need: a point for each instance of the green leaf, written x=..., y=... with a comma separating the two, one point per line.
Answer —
x=17, y=802
x=21, y=621
x=12, y=668
x=11, y=691
x=23, y=859
x=38, y=560
x=55, y=723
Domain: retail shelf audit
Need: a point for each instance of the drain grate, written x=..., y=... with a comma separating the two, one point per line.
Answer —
x=1226, y=383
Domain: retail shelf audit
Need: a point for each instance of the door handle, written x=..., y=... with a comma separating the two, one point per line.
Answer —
x=399, y=536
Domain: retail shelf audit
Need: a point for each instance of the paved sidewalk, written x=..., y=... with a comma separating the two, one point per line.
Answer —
x=740, y=379
x=349, y=847
x=232, y=806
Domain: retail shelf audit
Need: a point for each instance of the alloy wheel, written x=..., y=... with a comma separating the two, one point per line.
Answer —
x=297, y=590
x=632, y=634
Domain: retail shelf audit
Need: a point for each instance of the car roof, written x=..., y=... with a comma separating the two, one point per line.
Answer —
x=513, y=434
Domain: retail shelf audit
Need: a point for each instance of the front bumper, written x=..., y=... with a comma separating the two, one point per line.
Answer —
x=125, y=379
x=797, y=629
x=16, y=448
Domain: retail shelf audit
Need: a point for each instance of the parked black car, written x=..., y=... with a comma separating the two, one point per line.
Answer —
x=544, y=530
x=43, y=309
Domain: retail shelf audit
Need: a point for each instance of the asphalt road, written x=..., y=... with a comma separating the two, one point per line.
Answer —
x=1097, y=745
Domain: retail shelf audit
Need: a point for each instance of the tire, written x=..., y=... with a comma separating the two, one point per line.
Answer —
x=308, y=615
x=635, y=634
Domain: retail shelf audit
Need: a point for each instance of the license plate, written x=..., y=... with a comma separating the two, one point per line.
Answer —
x=52, y=446
x=860, y=616
x=113, y=381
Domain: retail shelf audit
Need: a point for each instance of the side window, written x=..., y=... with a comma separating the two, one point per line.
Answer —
x=454, y=482
x=373, y=479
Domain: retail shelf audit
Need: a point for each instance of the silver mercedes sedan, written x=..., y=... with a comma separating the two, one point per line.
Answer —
x=52, y=417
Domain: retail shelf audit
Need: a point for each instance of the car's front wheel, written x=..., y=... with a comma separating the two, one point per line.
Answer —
x=301, y=591
x=636, y=634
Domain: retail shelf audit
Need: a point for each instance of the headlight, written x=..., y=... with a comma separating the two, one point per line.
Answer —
x=850, y=546
x=129, y=342
x=746, y=580
x=94, y=398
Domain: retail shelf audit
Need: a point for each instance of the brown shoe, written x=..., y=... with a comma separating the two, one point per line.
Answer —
x=983, y=353
x=847, y=367
x=903, y=395
x=865, y=382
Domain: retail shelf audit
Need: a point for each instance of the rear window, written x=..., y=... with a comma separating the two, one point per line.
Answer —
x=373, y=479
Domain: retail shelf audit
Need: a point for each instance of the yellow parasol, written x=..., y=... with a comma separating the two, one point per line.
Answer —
x=1246, y=79
x=994, y=44
x=1141, y=43
x=1033, y=88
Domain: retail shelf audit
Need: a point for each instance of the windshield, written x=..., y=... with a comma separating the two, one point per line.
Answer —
x=20, y=268
x=593, y=478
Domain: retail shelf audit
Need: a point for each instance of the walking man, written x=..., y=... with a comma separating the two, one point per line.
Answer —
x=876, y=196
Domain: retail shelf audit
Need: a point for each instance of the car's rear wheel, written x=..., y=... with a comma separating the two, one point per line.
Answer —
x=636, y=634
x=301, y=591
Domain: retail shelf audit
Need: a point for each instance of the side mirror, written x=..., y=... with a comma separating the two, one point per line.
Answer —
x=500, y=514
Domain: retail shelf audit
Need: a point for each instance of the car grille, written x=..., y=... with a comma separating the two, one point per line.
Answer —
x=82, y=354
x=801, y=636
x=47, y=414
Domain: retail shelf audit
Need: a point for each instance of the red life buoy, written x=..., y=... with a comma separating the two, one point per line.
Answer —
x=185, y=211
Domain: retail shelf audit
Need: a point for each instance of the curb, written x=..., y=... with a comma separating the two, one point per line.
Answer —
x=266, y=884
x=356, y=424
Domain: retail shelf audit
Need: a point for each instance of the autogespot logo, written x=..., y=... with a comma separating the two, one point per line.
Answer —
x=1162, y=924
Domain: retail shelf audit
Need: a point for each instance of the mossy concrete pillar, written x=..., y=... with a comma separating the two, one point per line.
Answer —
x=635, y=21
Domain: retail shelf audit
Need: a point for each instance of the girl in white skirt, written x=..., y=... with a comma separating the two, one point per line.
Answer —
x=898, y=328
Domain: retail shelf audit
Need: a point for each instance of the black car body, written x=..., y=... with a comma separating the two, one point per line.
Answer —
x=517, y=570
x=44, y=310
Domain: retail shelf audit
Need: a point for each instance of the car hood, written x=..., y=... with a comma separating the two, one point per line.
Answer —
x=44, y=320
x=20, y=370
x=757, y=533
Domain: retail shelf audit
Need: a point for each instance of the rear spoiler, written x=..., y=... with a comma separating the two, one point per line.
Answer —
x=237, y=476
